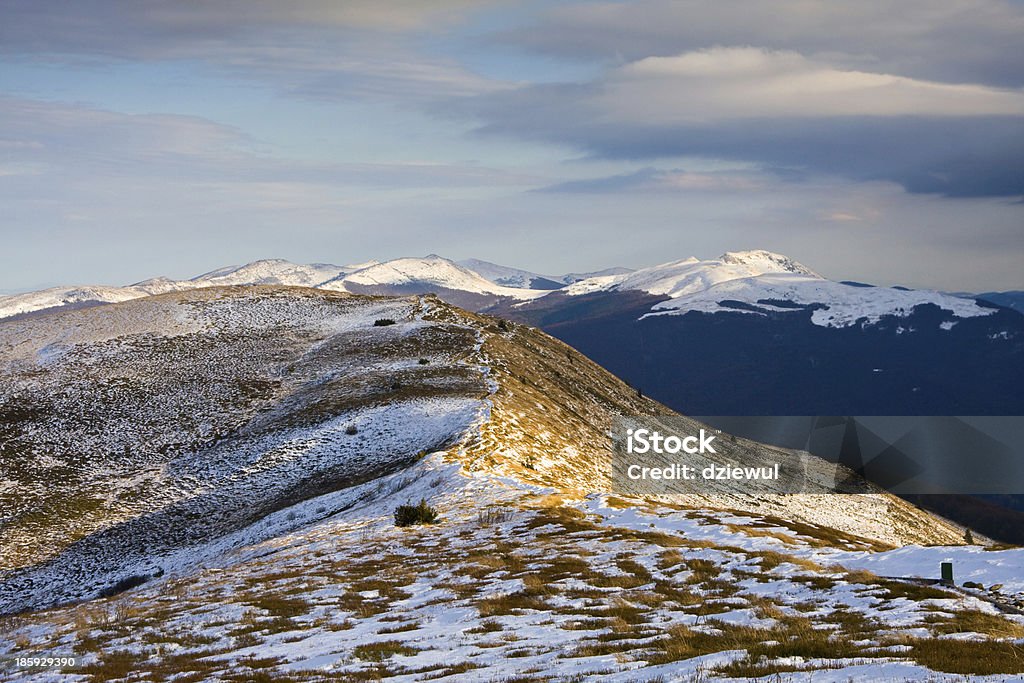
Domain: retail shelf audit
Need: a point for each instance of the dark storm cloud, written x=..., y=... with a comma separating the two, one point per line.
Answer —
x=974, y=157
x=786, y=113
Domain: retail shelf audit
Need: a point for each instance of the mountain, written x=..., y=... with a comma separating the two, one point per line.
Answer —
x=755, y=333
x=1014, y=300
x=273, y=272
x=204, y=482
x=429, y=275
x=511, y=277
x=759, y=282
x=570, y=278
x=524, y=279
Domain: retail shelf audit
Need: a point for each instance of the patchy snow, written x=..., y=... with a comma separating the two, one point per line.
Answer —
x=504, y=275
x=970, y=563
x=183, y=418
x=415, y=604
x=597, y=588
x=834, y=304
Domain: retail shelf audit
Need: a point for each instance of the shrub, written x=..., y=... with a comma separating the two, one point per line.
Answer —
x=424, y=361
x=383, y=322
x=421, y=513
x=351, y=429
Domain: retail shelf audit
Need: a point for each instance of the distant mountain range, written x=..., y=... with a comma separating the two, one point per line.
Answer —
x=749, y=332
x=476, y=284
x=749, y=281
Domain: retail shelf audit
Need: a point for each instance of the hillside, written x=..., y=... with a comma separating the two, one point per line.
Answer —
x=239, y=451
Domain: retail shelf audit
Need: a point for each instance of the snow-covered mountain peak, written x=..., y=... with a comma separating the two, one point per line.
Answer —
x=710, y=285
x=766, y=262
x=512, y=277
x=763, y=281
x=690, y=275
x=271, y=271
x=425, y=273
x=432, y=268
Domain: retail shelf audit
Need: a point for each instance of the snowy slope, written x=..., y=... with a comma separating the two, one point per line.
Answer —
x=428, y=272
x=28, y=302
x=510, y=277
x=267, y=272
x=272, y=272
x=586, y=590
x=843, y=305
x=167, y=421
x=762, y=282
x=570, y=278
x=690, y=275
x=525, y=279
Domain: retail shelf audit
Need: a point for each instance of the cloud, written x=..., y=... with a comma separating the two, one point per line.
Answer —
x=957, y=41
x=783, y=111
x=79, y=143
x=657, y=180
x=98, y=195
x=746, y=83
x=321, y=49
x=191, y=28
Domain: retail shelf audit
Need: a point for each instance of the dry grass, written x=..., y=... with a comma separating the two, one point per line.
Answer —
x=862, y=576
x=512, y=603
x=702, y=571
x=378, y=652
x=973, y=621
x=981, y=658
x=770, y=559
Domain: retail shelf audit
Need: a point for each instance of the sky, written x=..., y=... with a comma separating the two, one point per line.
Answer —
x=874, y=141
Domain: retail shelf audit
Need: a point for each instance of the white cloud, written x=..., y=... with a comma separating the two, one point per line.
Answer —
x=740, y=83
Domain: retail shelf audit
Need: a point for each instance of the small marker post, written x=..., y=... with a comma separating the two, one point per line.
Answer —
x=946, y=569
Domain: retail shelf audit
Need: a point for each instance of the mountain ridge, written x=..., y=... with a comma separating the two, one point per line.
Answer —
x=206, y=410
x=757, y=279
